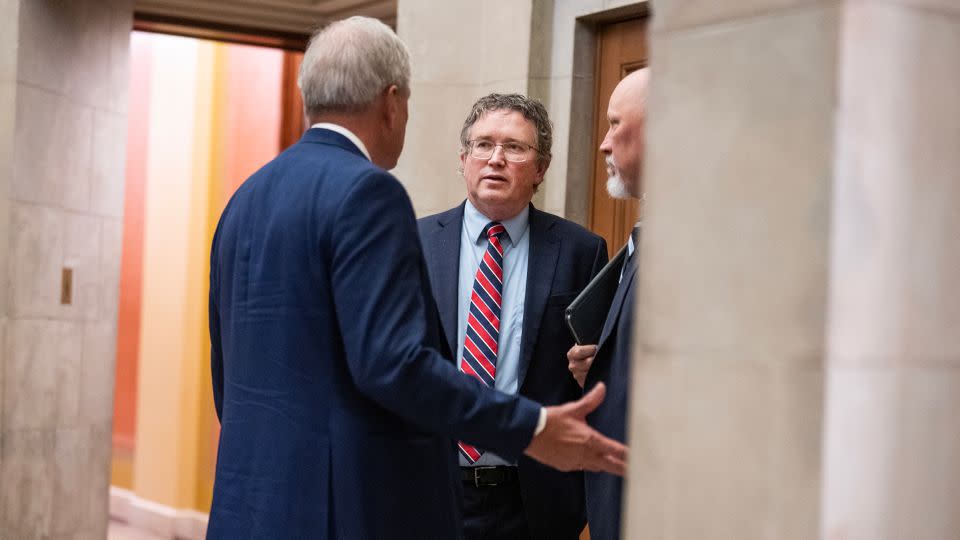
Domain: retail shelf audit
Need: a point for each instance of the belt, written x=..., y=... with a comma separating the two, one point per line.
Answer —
x=489, y=476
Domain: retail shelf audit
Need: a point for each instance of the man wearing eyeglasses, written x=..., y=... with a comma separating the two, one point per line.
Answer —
x=502, y=272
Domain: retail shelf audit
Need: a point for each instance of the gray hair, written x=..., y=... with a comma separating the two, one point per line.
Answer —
x=530, y=108
x=348, y=63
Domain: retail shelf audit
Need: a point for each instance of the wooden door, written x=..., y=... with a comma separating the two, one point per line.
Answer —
x=621, y=49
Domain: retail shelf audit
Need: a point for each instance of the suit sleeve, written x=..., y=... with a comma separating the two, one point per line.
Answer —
x=378, y=277
x=216, y=347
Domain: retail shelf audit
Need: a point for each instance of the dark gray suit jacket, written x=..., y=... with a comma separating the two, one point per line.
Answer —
x=564, y=257
x=612, y=367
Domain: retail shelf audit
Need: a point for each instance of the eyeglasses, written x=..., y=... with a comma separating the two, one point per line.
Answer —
x=516, y=152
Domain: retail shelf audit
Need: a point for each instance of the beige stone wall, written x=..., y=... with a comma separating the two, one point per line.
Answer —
x=460, y=51
x=562, y=76
x=62, y=151
x=9, y=10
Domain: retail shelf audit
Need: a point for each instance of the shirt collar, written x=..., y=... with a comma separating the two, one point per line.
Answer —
x=346, y=133
x=630, y=245
x=475, y=221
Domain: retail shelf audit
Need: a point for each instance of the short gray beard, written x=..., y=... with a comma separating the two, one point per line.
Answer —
x=616, y=187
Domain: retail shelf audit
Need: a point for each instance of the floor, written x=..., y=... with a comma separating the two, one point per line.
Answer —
x=122, y=531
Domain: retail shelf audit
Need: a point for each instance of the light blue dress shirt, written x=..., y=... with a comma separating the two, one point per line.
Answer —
x=630, y=248
x=516, y=253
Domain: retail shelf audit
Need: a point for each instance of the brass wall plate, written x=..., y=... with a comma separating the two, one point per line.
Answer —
x=66, y=286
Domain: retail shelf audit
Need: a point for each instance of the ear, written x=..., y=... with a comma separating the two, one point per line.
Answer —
x=393, y=98
x=542, y=170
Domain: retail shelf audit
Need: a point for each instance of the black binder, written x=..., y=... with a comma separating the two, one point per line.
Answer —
x=588, y=311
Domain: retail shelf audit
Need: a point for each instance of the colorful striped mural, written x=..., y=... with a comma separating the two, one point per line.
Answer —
x=203, y=116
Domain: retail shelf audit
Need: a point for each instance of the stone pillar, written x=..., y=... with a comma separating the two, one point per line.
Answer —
x=892, y=452
x=727, y=390
x=9, y=27
x=63, y=87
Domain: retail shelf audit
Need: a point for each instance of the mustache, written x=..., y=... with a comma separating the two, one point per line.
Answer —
x=611, y=165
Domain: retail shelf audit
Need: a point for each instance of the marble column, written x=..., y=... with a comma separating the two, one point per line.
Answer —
x=797, y=354
x=63, y=85
x=892, y=448
x=727, y=391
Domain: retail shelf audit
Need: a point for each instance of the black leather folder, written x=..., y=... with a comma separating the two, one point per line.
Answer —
x=588, y=311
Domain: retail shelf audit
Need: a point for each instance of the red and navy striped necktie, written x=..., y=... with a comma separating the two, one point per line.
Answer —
x=479, y=357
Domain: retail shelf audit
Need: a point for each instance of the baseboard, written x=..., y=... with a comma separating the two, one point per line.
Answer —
x=159, y=519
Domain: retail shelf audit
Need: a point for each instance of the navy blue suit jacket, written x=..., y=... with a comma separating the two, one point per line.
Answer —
x=564, y=257
x=611, y=365
x=338, y=411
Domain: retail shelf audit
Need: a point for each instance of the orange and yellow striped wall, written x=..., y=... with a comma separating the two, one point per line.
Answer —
x=203, y=116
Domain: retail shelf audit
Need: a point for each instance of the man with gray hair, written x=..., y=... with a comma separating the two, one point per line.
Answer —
x=338, y=404
x=502, y=272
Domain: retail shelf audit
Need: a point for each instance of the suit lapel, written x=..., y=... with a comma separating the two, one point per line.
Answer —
x=445, y=270
x=616, y=307
x=541, y=265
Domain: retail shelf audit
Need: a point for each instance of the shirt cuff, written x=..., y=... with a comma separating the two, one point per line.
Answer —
x=542, y=422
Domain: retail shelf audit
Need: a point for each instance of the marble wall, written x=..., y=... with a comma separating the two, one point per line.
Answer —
x=62, y=151
x=460, y=50
x=8, y=91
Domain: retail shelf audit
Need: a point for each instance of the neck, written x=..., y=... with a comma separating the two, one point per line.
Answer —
x=364, y=126
x=496, y=213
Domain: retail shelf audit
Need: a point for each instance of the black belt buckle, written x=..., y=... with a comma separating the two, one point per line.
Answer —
x=489, y=476
x=476, y=477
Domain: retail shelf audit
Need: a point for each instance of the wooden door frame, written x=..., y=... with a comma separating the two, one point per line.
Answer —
x=581, y=143
x=178, y=26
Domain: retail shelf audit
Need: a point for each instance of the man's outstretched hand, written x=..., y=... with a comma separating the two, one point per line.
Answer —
x=567, y=443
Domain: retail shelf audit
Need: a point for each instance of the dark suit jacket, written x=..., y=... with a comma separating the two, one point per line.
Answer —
x=564, y=257
x=611, y=365
x=338, y=412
